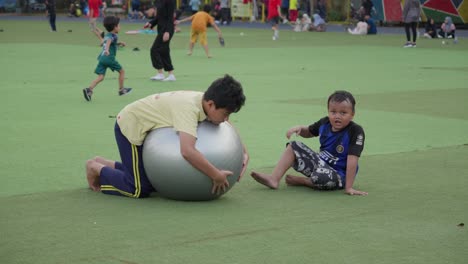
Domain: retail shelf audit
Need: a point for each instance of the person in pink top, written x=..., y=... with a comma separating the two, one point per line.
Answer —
x=274, y=15
x=93, y=14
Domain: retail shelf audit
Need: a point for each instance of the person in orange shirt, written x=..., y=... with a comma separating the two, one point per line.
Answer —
x=200, y=20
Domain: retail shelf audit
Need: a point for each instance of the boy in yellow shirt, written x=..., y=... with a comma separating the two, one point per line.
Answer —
x=200, y=20
x=182, y=110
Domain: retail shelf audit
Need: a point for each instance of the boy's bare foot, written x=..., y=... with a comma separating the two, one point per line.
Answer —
x=105, y=162
x=264, y=179
x=298, y=181
x=92, y=177
x=93, y=183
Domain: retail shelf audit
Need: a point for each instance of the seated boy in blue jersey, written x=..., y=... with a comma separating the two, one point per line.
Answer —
x=182, y=110
x=371, y=27
x=336, y=165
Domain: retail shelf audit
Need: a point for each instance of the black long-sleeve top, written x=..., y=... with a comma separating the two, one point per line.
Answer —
x=164, y=16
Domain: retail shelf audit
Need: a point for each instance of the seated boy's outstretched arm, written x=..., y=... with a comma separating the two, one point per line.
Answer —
x=302, y=131
x=351, y=167
x=198, y=161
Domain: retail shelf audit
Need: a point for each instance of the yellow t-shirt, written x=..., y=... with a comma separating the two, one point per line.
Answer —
x=200, y=20
x=181, y=110
x=292, y=4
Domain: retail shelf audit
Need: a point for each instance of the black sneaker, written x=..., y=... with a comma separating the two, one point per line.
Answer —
x=125, y=91
x=87, y=94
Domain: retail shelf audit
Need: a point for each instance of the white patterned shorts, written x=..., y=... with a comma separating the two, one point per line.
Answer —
x=308, y=162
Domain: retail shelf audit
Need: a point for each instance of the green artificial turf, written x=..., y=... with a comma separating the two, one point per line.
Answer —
x=411, y=103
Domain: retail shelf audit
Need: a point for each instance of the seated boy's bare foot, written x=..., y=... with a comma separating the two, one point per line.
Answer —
x=298, y=181
x=264, y=179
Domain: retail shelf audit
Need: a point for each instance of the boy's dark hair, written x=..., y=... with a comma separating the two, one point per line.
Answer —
x=227, y=93
x=110, y=22
x=207, y=8
x=341, y=96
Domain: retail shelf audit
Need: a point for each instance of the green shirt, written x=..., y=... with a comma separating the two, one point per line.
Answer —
x=113, y=38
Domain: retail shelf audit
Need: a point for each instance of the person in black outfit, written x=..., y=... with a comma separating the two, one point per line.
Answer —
x=160, y=51
x=366, y=8
x=321, y=9
x=431, y=30
x=50, y=9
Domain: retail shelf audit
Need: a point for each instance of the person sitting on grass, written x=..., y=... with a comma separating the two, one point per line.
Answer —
x=360, y=29
x=302, y=24
x=107, y=58
x=199, y=25
x=371, y=27
x=447, y=29
x=319, y=24
x=430, y=29
x=336, y=164
x=181, y=110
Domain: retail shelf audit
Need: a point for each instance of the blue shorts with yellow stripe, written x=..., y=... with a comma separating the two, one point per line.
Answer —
x=129, y=177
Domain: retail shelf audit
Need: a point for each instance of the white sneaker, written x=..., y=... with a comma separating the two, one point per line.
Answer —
x=274, y=38
x=158, y=77
x=408, y=45
x=170, y=78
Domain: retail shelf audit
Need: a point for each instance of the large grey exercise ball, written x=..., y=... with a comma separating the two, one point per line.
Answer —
x=174, y=178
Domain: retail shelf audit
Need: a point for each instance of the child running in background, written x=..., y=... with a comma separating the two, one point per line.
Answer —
x=199, y=25
x=336, y=164
x=107, y=58
x=274, y=15
x=93, y=15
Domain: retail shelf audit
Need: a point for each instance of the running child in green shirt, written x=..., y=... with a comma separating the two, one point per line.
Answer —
x=106, y=58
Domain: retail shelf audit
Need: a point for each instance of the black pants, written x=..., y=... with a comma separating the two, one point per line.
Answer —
x=52, y=18
x=226, y=15
x=449, y=34
x=413, y=29
x=161, y=53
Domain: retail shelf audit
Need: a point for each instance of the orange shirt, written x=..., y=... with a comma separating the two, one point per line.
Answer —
x=200, y=20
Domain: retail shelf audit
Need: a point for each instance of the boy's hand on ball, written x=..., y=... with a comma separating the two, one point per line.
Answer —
x=220, y=183
x=245, y=163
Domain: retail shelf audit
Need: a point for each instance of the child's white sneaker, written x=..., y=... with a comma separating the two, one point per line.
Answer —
x=170, y=78
x=157, y=77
